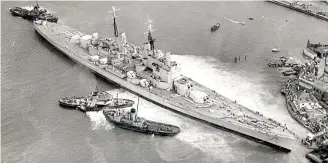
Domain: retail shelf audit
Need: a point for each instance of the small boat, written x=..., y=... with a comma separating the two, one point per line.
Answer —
x=215, y=27
x=132, y=121
x=275, y=50
x=71, y=102
x=250, y=18
x=243, y=23
x=289, y=72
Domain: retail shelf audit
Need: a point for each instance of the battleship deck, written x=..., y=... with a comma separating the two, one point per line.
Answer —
x=223, y=113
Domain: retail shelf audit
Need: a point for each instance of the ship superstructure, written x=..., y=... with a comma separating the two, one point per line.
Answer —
x=150, y=73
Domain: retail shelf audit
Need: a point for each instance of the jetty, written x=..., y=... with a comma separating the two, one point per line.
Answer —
x=301, y=8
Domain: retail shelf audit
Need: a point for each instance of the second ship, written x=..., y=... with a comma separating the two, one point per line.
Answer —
x=151, y=74
x=95, y=101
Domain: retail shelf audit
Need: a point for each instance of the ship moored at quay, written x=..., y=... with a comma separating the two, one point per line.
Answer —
x=149, y=73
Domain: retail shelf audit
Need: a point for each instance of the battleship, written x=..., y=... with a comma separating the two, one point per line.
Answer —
x=132, y=121
x=150, y=74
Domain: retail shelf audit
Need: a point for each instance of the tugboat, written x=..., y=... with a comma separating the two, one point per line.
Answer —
x=33, y=13
x=215, y=27
x=71, y=102
x=113, y=103
x=131, y=121
x=95, y=102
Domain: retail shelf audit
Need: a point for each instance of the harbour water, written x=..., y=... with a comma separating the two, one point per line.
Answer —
x=34, y=128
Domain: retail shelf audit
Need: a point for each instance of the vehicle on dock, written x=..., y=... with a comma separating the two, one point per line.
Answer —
x=151, y=74
x=215, y=27
x=131, y=121
x=33, y=13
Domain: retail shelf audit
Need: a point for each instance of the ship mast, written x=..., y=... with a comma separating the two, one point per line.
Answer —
x=114, y=9
x=137, y=107
x=151, y=40
x=116, y=101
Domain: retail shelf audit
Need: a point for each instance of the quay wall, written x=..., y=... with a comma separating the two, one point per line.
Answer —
x=299, y=10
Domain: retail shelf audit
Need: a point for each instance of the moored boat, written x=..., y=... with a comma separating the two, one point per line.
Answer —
x=71, y=102
x=289, y=72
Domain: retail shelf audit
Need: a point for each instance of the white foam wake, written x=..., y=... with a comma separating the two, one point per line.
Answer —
x=98, y=121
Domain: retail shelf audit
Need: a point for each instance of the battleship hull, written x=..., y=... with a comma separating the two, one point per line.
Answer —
x=281, y=140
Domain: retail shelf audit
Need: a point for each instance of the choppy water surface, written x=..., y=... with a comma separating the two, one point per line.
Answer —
x=35, y=75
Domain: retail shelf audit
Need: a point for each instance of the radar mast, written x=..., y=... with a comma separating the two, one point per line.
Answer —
x=151, y=40
x=114, y=9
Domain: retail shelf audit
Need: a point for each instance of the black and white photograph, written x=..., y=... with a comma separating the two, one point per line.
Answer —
x=164, y=81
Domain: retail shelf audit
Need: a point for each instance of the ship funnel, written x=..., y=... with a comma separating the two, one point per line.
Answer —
x=133, y=114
